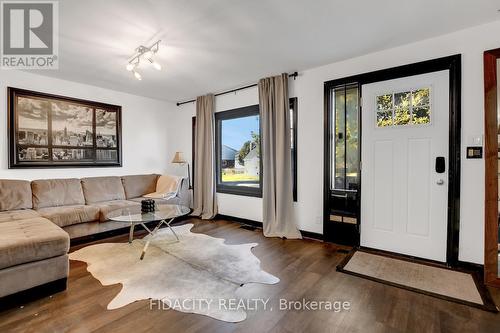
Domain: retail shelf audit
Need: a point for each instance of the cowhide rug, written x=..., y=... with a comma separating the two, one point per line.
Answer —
x=199, y=267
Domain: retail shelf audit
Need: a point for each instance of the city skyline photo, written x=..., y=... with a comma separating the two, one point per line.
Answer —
x=62, y=130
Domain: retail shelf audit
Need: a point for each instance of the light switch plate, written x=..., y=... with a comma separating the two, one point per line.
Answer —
x=475, y=140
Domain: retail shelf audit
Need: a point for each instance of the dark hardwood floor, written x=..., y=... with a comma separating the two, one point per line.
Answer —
x=306, y=269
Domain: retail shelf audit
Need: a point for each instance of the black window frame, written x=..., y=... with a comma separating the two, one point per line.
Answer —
x=247, y=111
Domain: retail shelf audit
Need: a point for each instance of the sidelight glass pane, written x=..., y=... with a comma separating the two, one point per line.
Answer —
x=345, y=138
x=339, y=139
x=351, y=136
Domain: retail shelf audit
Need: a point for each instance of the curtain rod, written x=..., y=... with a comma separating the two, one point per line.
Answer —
x=294, y=75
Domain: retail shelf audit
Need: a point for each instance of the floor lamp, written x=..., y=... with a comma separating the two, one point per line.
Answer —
x=179, y=159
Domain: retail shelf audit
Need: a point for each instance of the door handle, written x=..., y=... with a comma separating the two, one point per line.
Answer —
x=440, y=182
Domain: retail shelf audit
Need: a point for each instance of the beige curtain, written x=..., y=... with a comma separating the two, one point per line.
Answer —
x=276, y=158
x=204, y=198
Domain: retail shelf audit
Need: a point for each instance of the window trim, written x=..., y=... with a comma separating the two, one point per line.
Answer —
x=245, y=111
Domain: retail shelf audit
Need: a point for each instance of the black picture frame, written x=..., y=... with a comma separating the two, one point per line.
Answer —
x=54, y=149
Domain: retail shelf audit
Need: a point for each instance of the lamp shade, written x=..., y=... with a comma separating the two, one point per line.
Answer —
x=178, y=158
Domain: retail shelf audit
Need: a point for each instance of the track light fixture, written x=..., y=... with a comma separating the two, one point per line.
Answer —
x=143, y=53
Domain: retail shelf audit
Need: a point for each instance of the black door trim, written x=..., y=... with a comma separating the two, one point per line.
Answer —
x=451, y=63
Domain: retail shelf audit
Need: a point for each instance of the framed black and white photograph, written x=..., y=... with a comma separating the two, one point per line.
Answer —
x=54, y=131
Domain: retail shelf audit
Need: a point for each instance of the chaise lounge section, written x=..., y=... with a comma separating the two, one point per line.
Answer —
x=38, y=219
x=33, y=250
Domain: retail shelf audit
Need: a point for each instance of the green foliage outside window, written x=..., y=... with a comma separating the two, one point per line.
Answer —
x=247, y=146
x=410, y=107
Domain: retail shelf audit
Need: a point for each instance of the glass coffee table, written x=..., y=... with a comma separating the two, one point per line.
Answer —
x=164, y=214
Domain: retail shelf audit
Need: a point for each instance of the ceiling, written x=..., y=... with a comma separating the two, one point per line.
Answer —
x=213, y=45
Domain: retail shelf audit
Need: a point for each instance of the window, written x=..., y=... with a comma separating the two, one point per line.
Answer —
x=238, y=150
x=237, y=140
x=404, y=108
x=344, y=142
x=293, y=136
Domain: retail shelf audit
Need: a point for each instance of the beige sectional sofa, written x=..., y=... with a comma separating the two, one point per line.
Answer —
x=38, y=219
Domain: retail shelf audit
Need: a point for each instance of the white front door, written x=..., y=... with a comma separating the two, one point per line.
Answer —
x=404, y=199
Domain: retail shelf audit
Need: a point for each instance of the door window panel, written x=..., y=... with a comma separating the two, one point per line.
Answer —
x=404, y=108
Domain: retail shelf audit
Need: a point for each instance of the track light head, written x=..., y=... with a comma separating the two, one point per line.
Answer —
x=155, y=64
x=137, y=75
x=130, y=67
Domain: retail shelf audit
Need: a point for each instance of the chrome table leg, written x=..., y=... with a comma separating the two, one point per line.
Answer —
x=131, y=233
x=151, y=235
x=153, y=232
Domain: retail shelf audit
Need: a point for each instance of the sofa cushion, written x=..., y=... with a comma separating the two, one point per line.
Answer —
x=31, y=240
x=138, y=185
x=99, y=189
x=117, y=207
x=15, y=194
x=57, y=192
x=21, y=214
x=68, y=215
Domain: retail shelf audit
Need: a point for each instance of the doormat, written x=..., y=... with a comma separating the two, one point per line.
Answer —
x=428, y=279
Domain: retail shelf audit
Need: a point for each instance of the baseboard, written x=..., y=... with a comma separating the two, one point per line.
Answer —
x=29, y=295
x=257, y=224
x=469, y=266
x=312, y=235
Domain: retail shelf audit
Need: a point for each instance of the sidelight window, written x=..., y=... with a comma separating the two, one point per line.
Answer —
x=345, y=140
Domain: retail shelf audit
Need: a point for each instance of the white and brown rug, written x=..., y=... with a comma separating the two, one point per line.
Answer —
x=199, y=267
x=452, y=285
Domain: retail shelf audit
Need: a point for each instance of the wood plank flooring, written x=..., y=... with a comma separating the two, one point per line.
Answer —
x=306, y=269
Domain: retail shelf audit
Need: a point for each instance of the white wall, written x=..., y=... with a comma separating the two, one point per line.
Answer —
x=471, y=43
x=144, y=122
